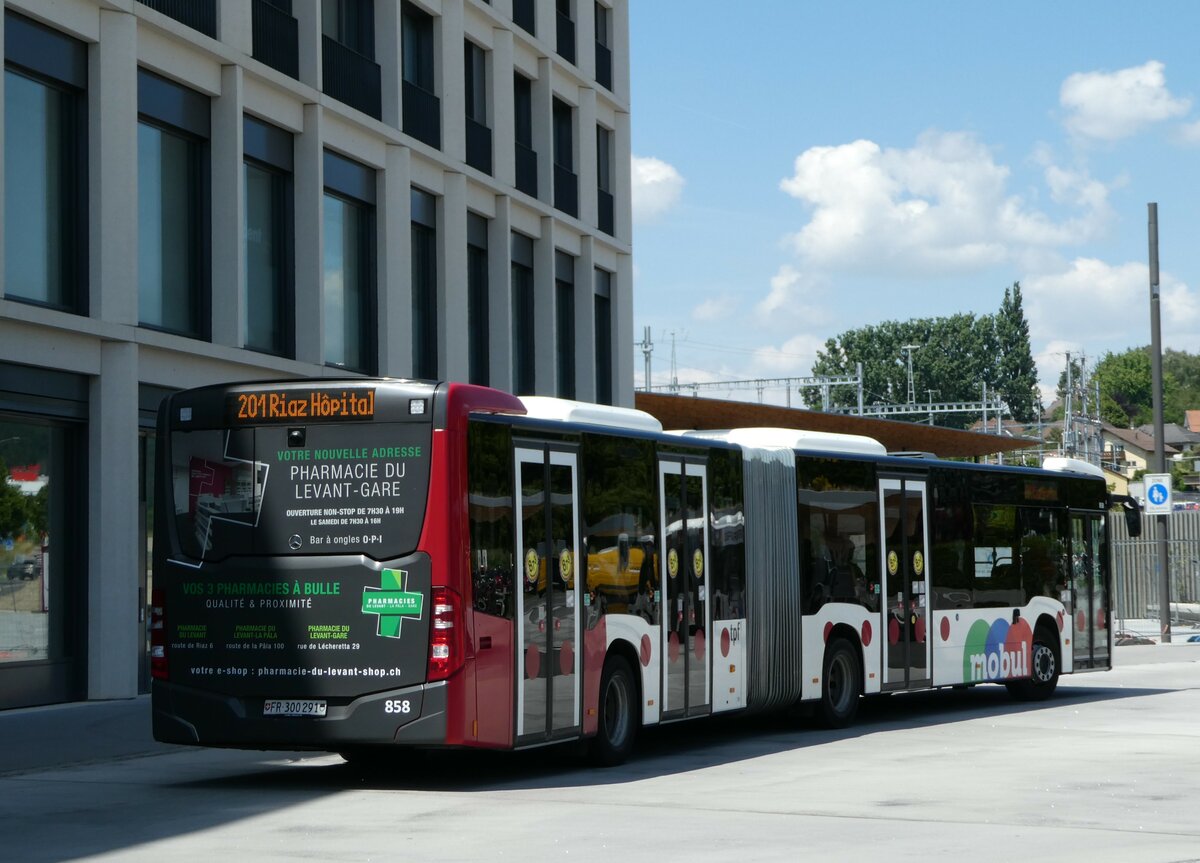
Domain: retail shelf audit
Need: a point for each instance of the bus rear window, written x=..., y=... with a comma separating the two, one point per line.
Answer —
x=333, y=488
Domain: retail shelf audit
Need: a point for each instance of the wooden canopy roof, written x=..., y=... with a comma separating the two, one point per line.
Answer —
x=689, y=412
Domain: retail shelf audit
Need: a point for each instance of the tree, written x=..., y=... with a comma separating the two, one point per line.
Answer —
x=957, y=356
x=13, y=507
x=1126, y=397
x=1017, y=375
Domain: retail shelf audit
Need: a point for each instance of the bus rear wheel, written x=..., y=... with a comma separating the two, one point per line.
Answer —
x=1043, y=679
x=618, y=723
x=841, y=685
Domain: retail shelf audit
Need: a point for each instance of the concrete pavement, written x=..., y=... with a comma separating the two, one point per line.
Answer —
x=38, y=738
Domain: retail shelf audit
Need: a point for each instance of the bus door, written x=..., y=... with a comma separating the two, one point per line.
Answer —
x=905, y=579
x=1089, y=592
x=683, y=556
x=548, y=626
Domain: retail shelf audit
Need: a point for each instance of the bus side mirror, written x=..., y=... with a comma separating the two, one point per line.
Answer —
x=1133, y=514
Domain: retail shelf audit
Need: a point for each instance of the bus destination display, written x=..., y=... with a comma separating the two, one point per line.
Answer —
x=297, y=405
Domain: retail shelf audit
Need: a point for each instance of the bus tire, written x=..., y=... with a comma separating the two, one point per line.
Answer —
x=617, y=722
x=841, y=685
x=1045, y=668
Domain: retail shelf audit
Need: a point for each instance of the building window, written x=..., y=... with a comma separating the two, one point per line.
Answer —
x=173, y=207
x=422, y=108
x=424, y=285
x=566, y=183
x=604, y=179
x=43, y=535
x=478, y=319
x=564, y=311
x=198, y=14
x=524, y=16
x=349, y=72
x=604, y=46
x=45, y=166
x=479, y=135
x=565, y=44
x=267, y=318
x=275, y=35
x=523, y=130
x=349, y=264
x=524, y=379
x=603, y=317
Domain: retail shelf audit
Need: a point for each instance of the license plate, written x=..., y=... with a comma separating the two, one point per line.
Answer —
x=283, y=707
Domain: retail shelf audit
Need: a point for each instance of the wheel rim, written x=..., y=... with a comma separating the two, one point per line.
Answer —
x=1043, y=663
x=839, y=683
x=616, y=711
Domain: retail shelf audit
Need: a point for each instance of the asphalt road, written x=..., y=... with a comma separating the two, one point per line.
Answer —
x=1107, y=770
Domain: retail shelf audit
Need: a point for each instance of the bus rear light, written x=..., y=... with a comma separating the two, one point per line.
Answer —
x=446, y=646
x=158, y=635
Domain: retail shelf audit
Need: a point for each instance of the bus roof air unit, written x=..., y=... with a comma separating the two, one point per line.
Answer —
x=566, y=410
x=1062, y=464
x=796, y=439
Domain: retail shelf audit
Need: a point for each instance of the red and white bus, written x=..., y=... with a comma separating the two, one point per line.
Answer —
x=353, y=564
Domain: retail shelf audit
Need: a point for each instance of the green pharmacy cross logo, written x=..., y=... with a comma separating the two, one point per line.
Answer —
x=392, y=602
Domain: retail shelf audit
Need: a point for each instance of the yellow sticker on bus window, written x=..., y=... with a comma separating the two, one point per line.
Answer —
x=564, y=565
x=531, y=566
x=672, y=563
x=918, y=562
x=893, y=563
x=698, y=563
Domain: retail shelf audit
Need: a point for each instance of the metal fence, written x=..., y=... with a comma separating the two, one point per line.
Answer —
x=1135, y=566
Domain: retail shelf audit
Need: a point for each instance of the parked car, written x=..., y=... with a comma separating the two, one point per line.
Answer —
x=23, y=568
x=1194, y=638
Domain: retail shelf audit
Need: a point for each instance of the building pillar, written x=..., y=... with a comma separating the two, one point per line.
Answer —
x=452, y=86
x=113, y=631
x=308, y=183
x=543, y=128
x=623, y=180
x=389, y=41
x=504, y=138
x=500, y=303
x=585, y=321
x=228, y=212
x=308, y=33
x=395, y=265
x=235, y=27
x=113, y=171
x=454, y=330
x=622, y=312
x=545, y=366
x=589, y=182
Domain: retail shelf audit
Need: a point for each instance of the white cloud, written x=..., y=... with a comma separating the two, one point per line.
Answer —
x=715, y=309
x=1188, y=133
x=794, y=358
x=1113, y=105
x=939, y=207
x=1111, y=305
x=792, y=301
x=657, y=187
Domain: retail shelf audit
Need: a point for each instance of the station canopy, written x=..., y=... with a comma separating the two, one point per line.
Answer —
x=691, y=412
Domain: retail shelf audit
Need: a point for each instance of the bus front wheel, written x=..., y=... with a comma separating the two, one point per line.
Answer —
x=841, y=685
x=618, y=723
x=1044, y=670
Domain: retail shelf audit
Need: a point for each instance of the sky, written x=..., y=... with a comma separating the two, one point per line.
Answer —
x=804, y=168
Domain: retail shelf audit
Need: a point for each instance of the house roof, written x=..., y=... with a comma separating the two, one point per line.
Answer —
x=1191, y=420
x=690, y=412
x=1173, y=435
x=1136, y=438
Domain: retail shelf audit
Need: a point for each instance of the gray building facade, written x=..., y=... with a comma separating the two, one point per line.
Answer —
x=201, y=191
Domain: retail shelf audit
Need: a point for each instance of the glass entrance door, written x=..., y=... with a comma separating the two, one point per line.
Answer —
x=547, y=638
x=905, y=579
x=1089, y=592
x=683, y=552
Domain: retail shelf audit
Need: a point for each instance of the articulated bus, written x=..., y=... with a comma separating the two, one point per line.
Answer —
x=347, y=565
